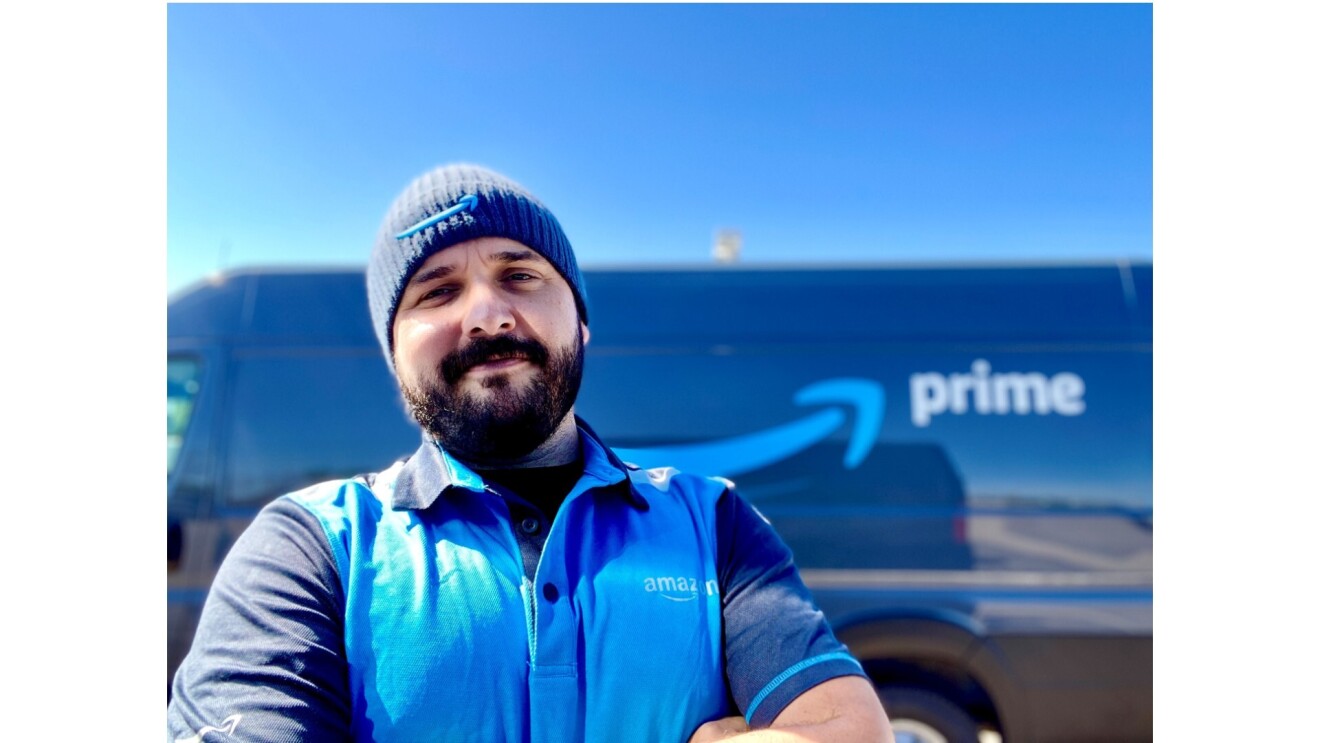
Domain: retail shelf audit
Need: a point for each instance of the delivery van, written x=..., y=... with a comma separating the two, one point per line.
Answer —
x=959, y=456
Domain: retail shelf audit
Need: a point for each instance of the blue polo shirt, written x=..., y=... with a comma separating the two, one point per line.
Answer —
x=400, y=607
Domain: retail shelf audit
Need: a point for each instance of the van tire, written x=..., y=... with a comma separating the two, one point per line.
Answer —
x=920, y=716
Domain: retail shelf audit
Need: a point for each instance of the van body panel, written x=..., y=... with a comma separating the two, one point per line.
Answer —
x=959, y=457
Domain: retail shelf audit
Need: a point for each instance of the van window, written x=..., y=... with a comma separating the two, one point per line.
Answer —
x=302, y=417
x=184, y=381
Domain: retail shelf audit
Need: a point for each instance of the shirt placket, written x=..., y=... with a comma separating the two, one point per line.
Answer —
x=556, y=713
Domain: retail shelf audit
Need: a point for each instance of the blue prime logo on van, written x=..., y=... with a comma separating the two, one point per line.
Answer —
x=980, y=391
x=749, y=452
x=983, y=392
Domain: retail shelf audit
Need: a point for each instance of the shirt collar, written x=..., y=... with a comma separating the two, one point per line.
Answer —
x=431, y=471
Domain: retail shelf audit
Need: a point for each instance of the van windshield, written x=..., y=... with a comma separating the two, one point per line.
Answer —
x=184, y=381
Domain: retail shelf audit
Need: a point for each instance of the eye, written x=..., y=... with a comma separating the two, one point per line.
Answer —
x=520, y=276
x=439, y=292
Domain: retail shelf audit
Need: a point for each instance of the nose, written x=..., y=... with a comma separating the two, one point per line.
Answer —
x=488, y=312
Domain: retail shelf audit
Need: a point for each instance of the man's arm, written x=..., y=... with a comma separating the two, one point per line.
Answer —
x=267, y=661
x=788, y=674
x=841, y=710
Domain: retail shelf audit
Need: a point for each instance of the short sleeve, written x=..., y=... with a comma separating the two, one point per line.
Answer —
x=267, y=662
x=777, y=643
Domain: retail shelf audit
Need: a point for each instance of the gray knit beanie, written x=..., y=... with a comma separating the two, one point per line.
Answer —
x=450, y=205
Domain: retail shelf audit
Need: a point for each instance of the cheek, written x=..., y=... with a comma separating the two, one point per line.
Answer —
x=564, y=313
x=418, y=345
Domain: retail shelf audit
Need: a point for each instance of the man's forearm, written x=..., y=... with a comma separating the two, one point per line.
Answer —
x=841, y=710
x=829, y=731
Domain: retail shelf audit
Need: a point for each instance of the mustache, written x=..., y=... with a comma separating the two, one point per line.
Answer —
x=480, y=350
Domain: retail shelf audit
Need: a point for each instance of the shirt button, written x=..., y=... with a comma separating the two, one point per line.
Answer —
x=530, y=525
x=550, y=592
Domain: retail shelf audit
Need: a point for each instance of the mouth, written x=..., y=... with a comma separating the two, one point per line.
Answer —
x=499, y=362
x=487, y=356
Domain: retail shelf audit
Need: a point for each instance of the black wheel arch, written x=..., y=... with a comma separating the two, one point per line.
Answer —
x=946, y=653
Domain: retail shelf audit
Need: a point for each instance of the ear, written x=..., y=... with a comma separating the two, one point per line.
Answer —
x=586, y=333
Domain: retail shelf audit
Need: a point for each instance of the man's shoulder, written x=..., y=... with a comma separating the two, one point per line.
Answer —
x=672, y=483
x=349, y=497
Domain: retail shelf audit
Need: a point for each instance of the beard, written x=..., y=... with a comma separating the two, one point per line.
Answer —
x=507, y=422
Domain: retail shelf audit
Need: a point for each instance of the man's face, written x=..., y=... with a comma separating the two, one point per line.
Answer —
x=488, y=348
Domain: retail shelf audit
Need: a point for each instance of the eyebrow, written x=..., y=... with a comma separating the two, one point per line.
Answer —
x=513, y=256
x=439, y=272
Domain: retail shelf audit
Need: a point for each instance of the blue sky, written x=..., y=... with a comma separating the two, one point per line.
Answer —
x=822, y=133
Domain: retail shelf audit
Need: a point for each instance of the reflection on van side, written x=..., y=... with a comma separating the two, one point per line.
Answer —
x=959, y=457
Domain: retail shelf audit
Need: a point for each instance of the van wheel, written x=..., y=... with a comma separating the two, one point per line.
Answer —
x=920, y=716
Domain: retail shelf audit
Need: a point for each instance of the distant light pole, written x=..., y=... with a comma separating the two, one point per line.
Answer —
x=728, y=245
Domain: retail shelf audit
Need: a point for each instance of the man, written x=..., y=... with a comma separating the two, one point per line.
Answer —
x=512, y=580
